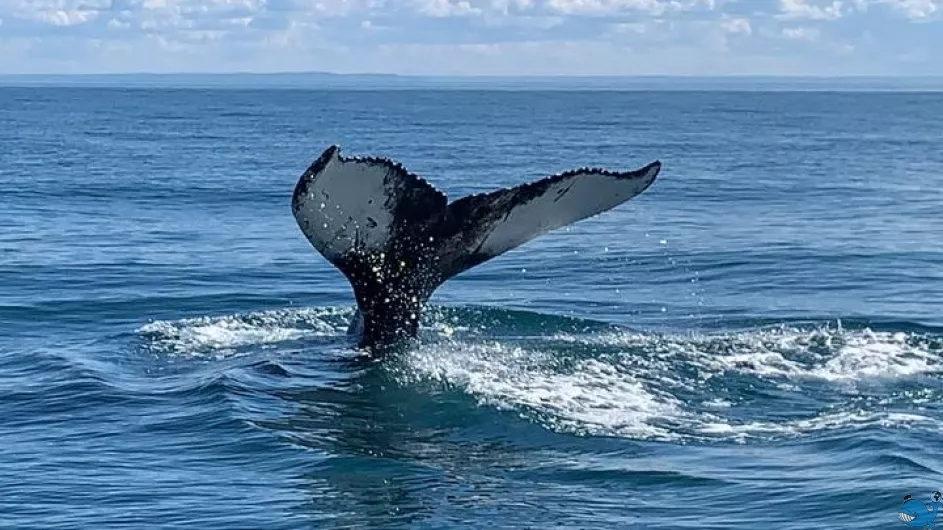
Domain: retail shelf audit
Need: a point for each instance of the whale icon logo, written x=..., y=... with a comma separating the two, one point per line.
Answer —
x=918, y=514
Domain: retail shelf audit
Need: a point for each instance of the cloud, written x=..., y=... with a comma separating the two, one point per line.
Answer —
x=801, y=33
x=447, y=8
x=737, y=25
x=801, y=9
x=652, y=7
x=473, y=36
x=913, y=9
x=61, y=13
x=438, y=8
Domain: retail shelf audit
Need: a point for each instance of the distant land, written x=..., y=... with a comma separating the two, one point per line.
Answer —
x=326, y=81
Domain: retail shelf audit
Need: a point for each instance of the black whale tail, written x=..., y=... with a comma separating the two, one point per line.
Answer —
x=396, y=238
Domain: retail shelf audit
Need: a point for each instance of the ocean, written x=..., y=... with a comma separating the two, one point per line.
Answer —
x=754, y=342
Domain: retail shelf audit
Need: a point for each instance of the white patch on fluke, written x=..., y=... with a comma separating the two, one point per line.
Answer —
x=579, y=195
x=348, y=202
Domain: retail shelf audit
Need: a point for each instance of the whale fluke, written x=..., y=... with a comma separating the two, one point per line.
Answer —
x=397, y=239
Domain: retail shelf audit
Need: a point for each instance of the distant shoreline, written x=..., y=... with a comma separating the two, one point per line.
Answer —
x=324, y=80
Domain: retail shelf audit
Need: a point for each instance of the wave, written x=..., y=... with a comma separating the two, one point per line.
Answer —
x=823, y=352
x=226, y=334
x=588, y=378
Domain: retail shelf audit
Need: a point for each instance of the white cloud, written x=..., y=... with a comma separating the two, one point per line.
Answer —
x=737, y=25
x=64, y=18
x=440, y=8
x=59, y=13
x=800, y=9
x=913, y=9
x=447, y=8
x=472, y=36
x=801, y=33
x=597, y=7
x=543, y=22
x=630, y=28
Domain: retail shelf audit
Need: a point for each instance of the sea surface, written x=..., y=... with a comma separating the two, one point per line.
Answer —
x=754, y=342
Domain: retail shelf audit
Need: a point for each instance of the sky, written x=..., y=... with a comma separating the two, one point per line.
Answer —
x=475, y=37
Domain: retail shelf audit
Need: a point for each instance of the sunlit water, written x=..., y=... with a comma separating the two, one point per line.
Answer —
x=756, y=341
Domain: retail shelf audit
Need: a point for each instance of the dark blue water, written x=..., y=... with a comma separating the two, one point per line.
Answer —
x=755, y=342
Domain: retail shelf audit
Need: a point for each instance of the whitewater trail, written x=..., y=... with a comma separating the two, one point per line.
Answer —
x=629, y=384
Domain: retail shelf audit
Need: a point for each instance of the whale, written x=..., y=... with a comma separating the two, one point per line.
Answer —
x=396, y=238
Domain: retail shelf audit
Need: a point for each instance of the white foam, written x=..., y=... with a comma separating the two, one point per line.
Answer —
x=824, y=353
x=633, y=385
x=629, y=383
x=876, y=355
x=589, y=397
x=855, y=419
x=221, y=335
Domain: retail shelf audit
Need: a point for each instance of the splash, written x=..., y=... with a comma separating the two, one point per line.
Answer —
x=224, y=335
x=588, y=397
x=829, y=421
x=687, y=388
x=830, y=354
x=763, y=384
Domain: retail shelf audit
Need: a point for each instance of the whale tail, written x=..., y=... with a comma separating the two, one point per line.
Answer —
x=396, y=238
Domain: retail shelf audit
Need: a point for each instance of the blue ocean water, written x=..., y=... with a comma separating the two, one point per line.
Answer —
x=755, y=342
